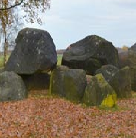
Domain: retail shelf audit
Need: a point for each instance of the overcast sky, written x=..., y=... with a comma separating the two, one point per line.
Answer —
x=71, y=20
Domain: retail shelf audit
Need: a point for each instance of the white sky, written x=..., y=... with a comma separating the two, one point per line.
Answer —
x=71, y=20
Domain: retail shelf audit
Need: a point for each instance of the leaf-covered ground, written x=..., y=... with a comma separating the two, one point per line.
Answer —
x=46, y=117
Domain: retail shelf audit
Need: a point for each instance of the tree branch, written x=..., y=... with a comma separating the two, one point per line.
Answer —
x=12, y=6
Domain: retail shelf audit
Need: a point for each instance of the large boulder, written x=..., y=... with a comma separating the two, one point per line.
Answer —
x=99, y=93
x=37, y=81
x=121, y=83
x=108, y=71
x=68, y=83
x=11, y=87
x=34, y=51
x=90, y=54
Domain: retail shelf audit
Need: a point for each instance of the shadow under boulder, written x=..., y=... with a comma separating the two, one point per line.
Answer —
x=37, y=81
x=12, y=87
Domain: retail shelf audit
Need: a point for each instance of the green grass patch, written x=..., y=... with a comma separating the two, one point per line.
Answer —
x=59, y=59
x=2, y=60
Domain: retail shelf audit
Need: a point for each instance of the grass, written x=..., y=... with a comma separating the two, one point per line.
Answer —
x=2, y=60
x=59, y=59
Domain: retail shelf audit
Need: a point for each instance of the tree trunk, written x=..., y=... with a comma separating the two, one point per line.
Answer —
x=5, y=51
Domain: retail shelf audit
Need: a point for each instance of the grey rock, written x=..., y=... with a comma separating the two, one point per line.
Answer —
x=99, y=93
x=108, y=71
x=68, y=83
x=90, y=54
x=11, y=87
x=121, y=83
x=34, y=51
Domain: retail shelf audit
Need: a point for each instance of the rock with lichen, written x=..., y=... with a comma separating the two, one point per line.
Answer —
x=121, y=83
x=68, y=83
x=99, y=93
x=108, y=71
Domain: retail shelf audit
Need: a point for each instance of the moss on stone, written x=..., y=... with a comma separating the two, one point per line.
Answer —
x=109, y=101
x=68, y=83
x=99, y=93
x=101, y=80
x=70, y=89
x=121, y=83
x=51, y=83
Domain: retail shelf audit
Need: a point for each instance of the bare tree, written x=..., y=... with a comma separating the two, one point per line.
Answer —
x=17, y=3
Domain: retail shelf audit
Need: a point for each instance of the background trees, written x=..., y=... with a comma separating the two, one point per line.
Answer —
x=12, y=15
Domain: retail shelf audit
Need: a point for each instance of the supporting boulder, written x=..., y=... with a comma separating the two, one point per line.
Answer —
x=11, y=87
x=68, y=83
x=90, y=54
x=34, y=52
x=121, y=83
x=120, y=80
x=108, y=71
x=99, y=93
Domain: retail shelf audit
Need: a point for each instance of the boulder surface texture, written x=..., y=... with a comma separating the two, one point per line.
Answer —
x=108, y=71
x=34, y=51
x=99, y=93
x=121, y=83
x=11, y=87
x=90, y=54
x=68, y=83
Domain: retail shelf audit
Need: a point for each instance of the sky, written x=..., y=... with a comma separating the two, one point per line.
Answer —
x=71, y=20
